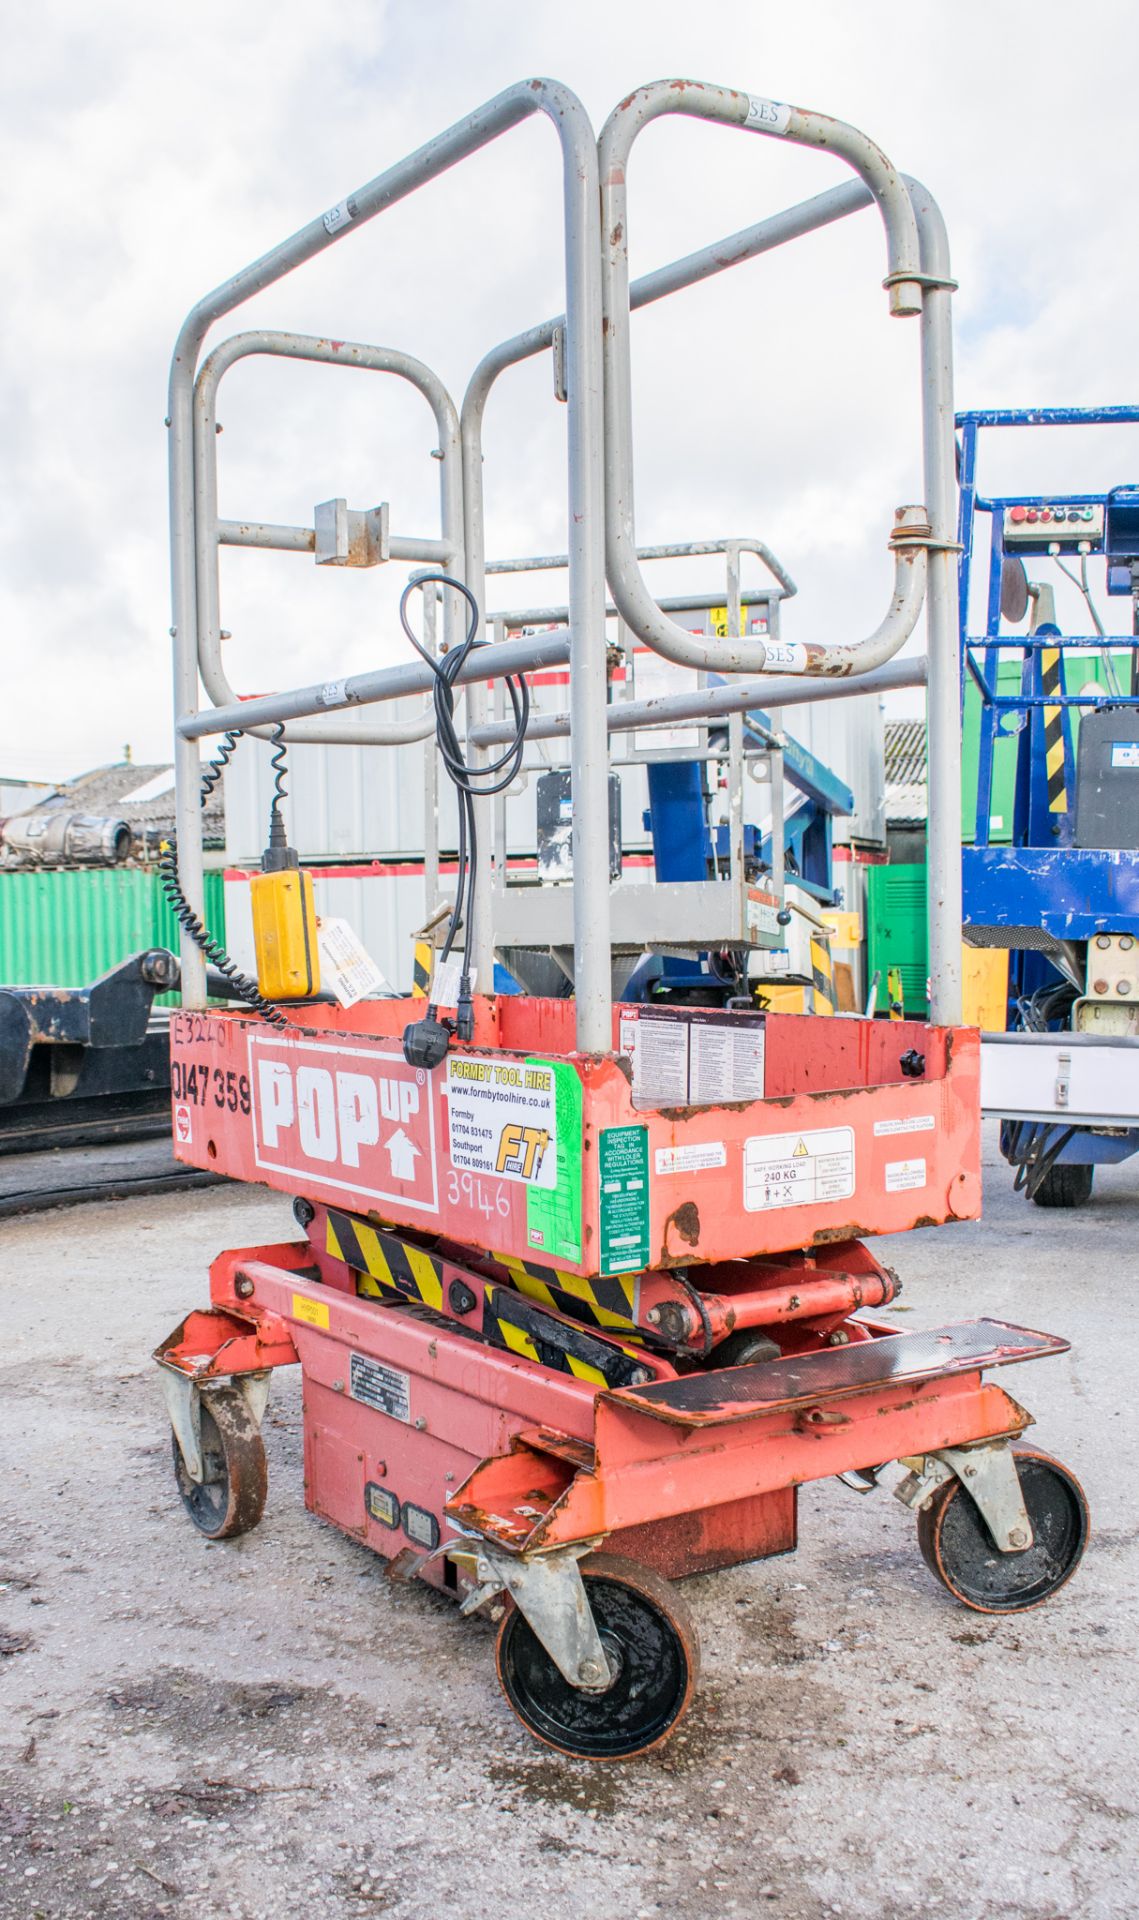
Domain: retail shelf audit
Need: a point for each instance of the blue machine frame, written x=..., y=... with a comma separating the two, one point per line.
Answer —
x=1041, y=883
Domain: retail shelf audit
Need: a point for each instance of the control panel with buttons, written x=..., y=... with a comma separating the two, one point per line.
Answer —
x=1054, y=529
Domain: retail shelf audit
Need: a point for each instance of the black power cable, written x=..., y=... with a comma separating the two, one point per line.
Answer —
x=237, y=983
x=425, y=1042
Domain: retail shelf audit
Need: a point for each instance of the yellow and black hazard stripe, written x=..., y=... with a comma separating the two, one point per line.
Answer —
x=1052, y=686
x=527, y=1329
x=609, y=1300
x=822, y=976
x=421, y=970
x=395, y=1265
x=387, y=1267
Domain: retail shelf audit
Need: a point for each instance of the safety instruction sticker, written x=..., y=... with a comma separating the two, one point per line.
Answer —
x=902, y=1175
x=798, y=1169
x=503, y=1118
x=623, y=1166
x=693, y=1056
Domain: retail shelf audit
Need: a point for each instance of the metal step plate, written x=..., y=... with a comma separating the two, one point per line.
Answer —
x=735, y=1393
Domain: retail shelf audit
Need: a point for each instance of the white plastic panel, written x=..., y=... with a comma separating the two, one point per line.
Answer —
x=1068, y=1077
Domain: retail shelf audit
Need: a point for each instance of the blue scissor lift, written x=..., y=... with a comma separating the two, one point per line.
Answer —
x=1063, y=893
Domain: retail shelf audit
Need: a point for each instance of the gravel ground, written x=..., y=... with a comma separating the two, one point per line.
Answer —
x=267, y=1727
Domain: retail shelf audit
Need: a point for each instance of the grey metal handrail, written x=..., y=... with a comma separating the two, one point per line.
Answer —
x=730, y=107
x=209, y=532
x=587, y=587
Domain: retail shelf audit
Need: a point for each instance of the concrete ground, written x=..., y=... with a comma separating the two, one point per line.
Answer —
x=267, y=1728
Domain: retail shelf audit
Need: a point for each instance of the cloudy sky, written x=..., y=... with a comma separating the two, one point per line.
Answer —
x=146, y=152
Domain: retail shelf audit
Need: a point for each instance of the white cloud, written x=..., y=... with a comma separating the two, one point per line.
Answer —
x=149, y=152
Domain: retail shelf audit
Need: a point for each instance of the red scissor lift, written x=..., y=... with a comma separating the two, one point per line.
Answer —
x=560, y=1345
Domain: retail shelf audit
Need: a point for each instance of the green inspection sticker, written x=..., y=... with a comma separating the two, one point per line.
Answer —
x=623, y=1169
x=553, y=1214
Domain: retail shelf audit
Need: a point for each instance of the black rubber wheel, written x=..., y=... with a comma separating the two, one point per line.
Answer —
x=650, y=1641
x=957, y=1548
x=744, y=1349
x=231, y=1498
x=1065, y=1186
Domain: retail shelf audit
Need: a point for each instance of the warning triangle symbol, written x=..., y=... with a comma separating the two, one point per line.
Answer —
x=800, y=1152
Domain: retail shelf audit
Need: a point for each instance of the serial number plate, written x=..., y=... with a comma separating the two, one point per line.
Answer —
x=384, y=1388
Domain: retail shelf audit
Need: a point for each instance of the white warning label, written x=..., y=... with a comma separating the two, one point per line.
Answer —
x=798, y=1169
x=901, y=1175
x=696, y=1156
x=910, y=1123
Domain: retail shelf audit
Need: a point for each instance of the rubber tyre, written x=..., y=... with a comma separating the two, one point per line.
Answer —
x=647, y=1631
x=231, y=1499
x=956, y=1546
x=744, y=1349
x=1065, y=1186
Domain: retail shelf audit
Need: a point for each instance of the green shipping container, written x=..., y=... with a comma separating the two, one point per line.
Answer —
x=897, y=934
x=64, y=929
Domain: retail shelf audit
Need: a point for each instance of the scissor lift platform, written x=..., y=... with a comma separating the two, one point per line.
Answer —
x=582, y=1296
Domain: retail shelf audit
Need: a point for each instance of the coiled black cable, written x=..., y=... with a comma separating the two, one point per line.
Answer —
x=470, y=782
x=278, y=760
x=237, y=983
x=219, y=763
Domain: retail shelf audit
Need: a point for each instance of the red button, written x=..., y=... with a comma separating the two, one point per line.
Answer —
x=1018, y=515
x=1032, y=514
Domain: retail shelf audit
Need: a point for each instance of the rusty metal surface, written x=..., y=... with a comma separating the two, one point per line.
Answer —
x=738, y=1392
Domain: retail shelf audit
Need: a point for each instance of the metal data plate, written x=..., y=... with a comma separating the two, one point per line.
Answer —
x=734, y=1393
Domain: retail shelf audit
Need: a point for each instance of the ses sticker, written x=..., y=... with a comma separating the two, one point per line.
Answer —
x=503, y=1118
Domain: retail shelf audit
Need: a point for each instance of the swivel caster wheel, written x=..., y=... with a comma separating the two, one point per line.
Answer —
x=231, y=1497
x=957, y=1549
x=650, y=1643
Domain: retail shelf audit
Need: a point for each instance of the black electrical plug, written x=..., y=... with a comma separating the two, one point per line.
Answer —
x=425, y=1042
x=465, y=1022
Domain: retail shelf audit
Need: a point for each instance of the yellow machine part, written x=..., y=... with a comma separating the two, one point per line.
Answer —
x=984, y=987
x=284, y=934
